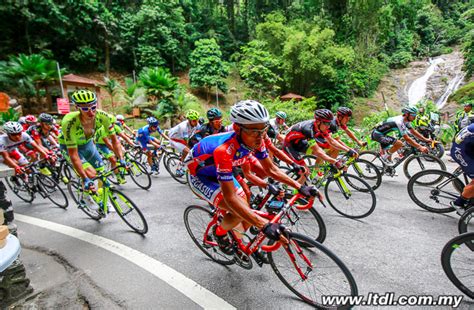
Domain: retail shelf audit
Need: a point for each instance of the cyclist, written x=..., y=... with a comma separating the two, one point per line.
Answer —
x=121, y=123
x=464, y=117
x=104, y=147
x=22, y=121
x=210, y=171
x=41, y=132
x=297, y=140
x=276, y=126
x=119, y=127
x=78, y=129
x=402, y=125
x=462, y=152
x=13, y=137
x=144, y=138
x=343, y=116
x=214, y=126
x=30, y=120
x=180, y=134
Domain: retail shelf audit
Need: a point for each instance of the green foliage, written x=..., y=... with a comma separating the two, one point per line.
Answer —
x=296, y=111
x=207, y=67
x=158, y=82
x=10, y=115
x=112, y=87
x=132, y=93
x=468, y=53
x=463, y=94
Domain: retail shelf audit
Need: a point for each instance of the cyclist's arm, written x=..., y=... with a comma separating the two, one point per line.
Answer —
x=76, y=162
x=352, y=136
x=252, y=178
x=39, y=148
x=419, y=135
x=8, y=160
x=116, y=146
x=53, y=141
x=277, y=174
x=129, y=129
x=280, y=154
x=338, y=145
x=319, y=152
x=126, y=138
x=108, y=143
x=411, y=141
x=239, y=206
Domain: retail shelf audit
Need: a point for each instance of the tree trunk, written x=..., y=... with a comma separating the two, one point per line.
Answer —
x=231, y=15
x=27, y=36
x=107, y=55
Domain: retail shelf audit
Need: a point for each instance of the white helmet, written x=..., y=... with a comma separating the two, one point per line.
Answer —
x=119, y=117
x=249, y=112
x=12, y=127
x=22, y=120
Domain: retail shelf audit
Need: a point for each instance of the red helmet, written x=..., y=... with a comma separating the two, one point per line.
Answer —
x=30, y=119
x=343, y=111
x=323, y=115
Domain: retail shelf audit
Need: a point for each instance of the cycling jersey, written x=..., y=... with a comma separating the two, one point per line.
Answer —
x=296, y=141
x=394, y=124
x=102, y=133
x=7, y=145
x=182, y=131
x=204, y=131
x=144, y=136
x=73, y=130
x=275, y=128
x=212, y=160
x=37, y=133
x=462, y=150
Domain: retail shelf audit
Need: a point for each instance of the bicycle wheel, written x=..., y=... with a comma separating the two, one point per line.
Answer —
x=466, y=222
x=84, y=202
x=111, y=177
x=196, y=220
x=68, y=174
x=310, y=160
x=324, y=273
x=173, y=163
x=139, y=175
x=20, y=188
x=354, y=201
x=457, y=259
x=417, y=163
x=433, y=190
x=307, y=222
x=128, y=211
x=374, y=158
x=367, y=171
x=51, y=190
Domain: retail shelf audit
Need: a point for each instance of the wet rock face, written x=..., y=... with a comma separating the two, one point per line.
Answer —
x=396, y=83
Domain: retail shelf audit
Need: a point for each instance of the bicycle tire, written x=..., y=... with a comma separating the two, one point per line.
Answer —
x=172, y=162
x=359, y=186
x=136, y=169
x=319, y=256
x=433, y=162
x=197, y=231
x=360, y=166
x=465, y=220
x=115, y=196
x=433, y=193
x=70, y=175
x=374, y=158
x=456, y=245
x=27, y=195
x=47, y=189
x=75, y=190
x=313, y=222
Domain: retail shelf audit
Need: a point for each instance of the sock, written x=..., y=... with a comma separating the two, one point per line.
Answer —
x=220, y=231
x=460, y=201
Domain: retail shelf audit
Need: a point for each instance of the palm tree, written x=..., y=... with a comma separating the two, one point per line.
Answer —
x=158, y=82
x=111, y=87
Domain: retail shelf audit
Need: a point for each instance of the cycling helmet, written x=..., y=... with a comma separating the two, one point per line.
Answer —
x=22, y=120
x=468, y=104
x=281, y=114
x=213, y=113
x=152, y=121
x=192, y=115
x=46, y=118
x=410, y=110
x=201, y=120
x=323, y=115
x=344, y=111
x=30, y=119
x=84, y=97
x=249, y=112
x=12, y=127
x=120, y=117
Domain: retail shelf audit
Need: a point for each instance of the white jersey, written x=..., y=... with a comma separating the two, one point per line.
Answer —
x=276, y=127
x=7, y=145
x=182, y=131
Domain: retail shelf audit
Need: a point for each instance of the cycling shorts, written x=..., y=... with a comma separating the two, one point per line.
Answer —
x=209, y=189
x=178, y=144
x=296, y=149
x=88, y=154
x=385, y=141
x=104, y=151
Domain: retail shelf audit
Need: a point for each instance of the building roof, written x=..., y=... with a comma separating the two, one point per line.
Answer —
x=290, y=96
x=72, y=78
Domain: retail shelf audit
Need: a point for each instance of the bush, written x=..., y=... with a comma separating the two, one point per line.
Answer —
x=463, y=94
x=400, y=59
x=296, y=111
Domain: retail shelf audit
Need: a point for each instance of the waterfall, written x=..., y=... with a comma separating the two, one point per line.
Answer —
x=417, y=90
x=452, y=87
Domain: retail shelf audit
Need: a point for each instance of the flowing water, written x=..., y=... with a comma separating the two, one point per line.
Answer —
x=417, y=90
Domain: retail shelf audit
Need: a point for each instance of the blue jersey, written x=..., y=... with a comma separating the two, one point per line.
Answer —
x=462, y=150
x=144, y=133
x=216, y=155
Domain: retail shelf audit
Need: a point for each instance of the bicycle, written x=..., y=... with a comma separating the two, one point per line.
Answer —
x=457, y=259
x=413, y=160
x=465, y=225
x=96, y=204
x=62, y=170
x=26, y=185
x=303, y=265
x=137, y=172
x=347, y=194
x=434, y=190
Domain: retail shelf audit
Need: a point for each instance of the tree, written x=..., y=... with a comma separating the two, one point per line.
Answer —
x=158, y=82
x=111, y=87
x=259, y=68
x=468, y=53
x=207, y=67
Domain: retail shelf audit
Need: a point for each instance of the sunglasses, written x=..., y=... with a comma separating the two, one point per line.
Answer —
x=15, y=134
x=88, y=108
x=255, y=132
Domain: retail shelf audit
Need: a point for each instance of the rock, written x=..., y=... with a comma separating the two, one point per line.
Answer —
x=14, y=284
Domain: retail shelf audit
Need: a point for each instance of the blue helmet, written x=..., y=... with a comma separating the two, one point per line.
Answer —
x=152, y=121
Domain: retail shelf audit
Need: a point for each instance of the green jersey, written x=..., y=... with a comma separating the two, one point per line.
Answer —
x=102, y=133
x=73, y=130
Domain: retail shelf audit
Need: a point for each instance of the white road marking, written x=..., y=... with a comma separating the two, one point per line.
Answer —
x=186, y=286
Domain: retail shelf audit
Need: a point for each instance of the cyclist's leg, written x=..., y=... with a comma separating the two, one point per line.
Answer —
x=387, y=143
x=294, y=150
x=467, y=165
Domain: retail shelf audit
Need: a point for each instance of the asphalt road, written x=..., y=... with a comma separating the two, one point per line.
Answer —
x=396, y=249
